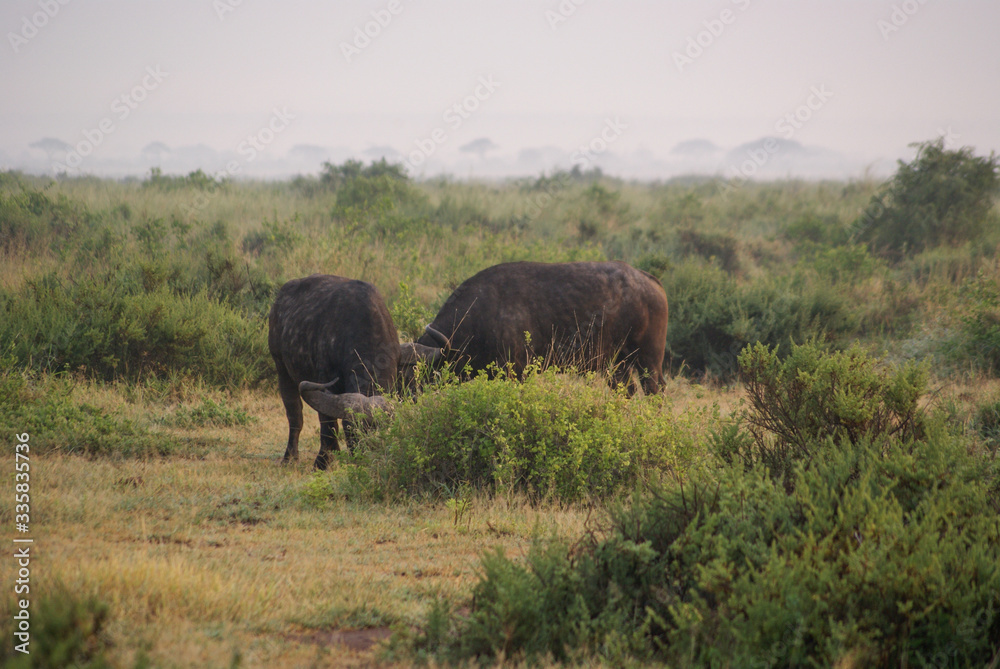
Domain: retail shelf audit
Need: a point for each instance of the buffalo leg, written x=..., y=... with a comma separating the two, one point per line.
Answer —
x=652, y=381
x=623, y=375
x=293, y=410
x=651, y=373
x=327, y=441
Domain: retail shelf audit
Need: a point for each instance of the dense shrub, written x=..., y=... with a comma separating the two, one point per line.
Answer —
x=795, y=404
x=335, y=176
x=847, y=264
x=66, y=630
x=552, y=435
x=456, y=215
x=941, y=197
x=273, y=237
x=369, y=194
x=31, y=220
x=720, y=248
x=812, y=228
x=365, y=191
x=887, y=554
x=408, y=314
x=986, y=422
x=712, y=316
x=979, y=339
x=113, y=331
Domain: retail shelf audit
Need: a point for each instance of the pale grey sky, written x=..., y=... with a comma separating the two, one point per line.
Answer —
x=865, y=78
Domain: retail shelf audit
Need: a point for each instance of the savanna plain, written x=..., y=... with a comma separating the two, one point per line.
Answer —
x=817, y=484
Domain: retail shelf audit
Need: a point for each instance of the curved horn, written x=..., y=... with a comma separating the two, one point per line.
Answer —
x=438, y=337
x=309, y=385
x=412, y=352
x=341, y=405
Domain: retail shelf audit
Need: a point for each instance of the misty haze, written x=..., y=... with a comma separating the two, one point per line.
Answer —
x=846, y=87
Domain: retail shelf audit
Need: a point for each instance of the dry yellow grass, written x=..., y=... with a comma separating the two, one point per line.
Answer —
x=203, y=559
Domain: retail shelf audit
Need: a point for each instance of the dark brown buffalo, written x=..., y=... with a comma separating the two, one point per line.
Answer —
x=593, y=315
x=335, y=346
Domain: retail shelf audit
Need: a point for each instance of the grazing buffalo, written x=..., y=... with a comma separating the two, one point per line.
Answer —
x=593, y=315
x=335, y=346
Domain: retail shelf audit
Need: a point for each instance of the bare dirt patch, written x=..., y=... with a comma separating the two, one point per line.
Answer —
x=356, y=640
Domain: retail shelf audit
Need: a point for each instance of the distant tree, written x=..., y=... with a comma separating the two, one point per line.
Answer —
x=383, y=152
x=479, y=147
x=153, y=152
x=309, y=153
x=334, y=176
x=51, y=146
x=941, y=197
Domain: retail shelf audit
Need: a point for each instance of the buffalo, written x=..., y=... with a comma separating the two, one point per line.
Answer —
x=592, y=315
x=335, y=346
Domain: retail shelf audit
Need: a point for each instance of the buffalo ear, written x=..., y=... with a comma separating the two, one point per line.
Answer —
x=340, y=405
x=412, y=352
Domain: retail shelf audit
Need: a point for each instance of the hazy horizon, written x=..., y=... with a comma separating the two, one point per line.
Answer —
x=493, y=89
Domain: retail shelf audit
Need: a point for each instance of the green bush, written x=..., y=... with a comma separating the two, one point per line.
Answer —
x=979, y=338
x=713, y=316
x=67, y=630
x=986, y=422
x=273, y=237
x=797, y=403
x=115, y=331
x=44, y=408
x=850, y=263
x=886, y=554
x=317, y=492
x=363, y=191
x=456, y=215
x=368, y=194
x=720, y=248
x=32, y=221
x=812, y=228
x=552, y=435
x=408, y=314
x=941, y=197
x=335, y=176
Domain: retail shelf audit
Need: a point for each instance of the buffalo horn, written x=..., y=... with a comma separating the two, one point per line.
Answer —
x=340, y=405
x=309, y=385
x=412, y=352
x=438, y=337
